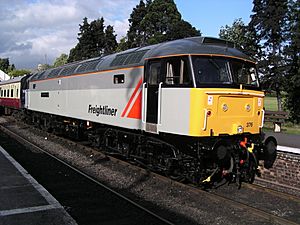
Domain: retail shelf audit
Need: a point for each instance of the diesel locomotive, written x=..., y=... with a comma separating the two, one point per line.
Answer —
x=191, y=108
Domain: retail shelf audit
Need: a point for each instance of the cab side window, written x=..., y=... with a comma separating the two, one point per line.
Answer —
x=177, y=71
x=154, y=73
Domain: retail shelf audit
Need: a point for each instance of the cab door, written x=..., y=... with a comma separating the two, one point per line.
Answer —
x=152, y=88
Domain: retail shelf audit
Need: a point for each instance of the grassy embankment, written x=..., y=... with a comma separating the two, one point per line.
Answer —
x=288, y=127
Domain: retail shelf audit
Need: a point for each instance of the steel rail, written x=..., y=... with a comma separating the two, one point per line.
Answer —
x=255, y=211
x=34, y=146
x=279, y=194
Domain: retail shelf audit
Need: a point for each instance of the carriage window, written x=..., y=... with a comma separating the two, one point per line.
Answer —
x=7, y=93
x=4, y=93
x=17, y=94
x=154, y=73
x=11, y=93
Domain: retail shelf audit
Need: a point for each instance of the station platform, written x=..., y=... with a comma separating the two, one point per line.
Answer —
x=23, y=200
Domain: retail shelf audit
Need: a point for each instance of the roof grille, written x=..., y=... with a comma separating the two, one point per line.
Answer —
x=88, y=66
x=69, y=70
x=54, y=73
x=128, y=58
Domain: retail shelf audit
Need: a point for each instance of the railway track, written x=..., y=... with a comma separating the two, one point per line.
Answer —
x=266, y=215
x=263, y=213
x=155, y=218
x=273, y=192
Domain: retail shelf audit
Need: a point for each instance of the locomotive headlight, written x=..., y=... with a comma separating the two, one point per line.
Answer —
x=248, y=107
x=225, y=107
x=240, y=129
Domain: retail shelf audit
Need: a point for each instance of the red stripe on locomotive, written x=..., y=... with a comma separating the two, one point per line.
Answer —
x=132, y=97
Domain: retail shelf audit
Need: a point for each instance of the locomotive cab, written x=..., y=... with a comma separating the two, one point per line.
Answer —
x=227, y=97
x=214, y=96
x=215, y=102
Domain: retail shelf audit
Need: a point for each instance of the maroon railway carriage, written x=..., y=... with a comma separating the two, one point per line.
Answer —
x=11, y=94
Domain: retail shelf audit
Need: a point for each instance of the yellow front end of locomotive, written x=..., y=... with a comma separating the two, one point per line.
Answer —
x=216, y=111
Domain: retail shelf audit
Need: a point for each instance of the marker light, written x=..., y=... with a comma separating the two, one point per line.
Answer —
x=240, y=129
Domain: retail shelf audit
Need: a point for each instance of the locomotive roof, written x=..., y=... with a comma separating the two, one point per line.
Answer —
x=135, y=57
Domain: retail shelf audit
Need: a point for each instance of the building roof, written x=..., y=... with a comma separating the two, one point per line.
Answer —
x=3, y=76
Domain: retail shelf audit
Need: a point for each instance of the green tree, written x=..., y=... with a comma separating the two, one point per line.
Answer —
x=93, y=41
x=122, y=45
x=157, y=21
x=61, y=60
x=135, y=34
x=97, y=35
x=293, y=62
x=82, y=49
x=85, y=39
x=4, y=65
x=243, y=37
x=12, y=67
x=161, y=15
x=74, y=54
x=269, y=22
x=111, y=43
x=17, y=73
x=181, y=29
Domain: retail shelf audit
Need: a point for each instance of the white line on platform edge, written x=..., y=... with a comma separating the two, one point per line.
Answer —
x=49, y=198
x=53, y=203
x=26, y=210
x=288, y=149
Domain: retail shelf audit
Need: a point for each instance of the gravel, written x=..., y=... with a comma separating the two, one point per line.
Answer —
x=170, y=200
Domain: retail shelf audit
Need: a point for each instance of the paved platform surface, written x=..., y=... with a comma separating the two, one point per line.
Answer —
x=289, y=140
x=286, y=142
x=23, y=200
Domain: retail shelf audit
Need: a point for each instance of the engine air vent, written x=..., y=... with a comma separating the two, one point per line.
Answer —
x=128, y=58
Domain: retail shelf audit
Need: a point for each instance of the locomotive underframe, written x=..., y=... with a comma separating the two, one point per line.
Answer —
x=200, y=160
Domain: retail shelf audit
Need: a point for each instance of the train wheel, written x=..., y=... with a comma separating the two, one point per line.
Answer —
x=270, y=153
x=251, y=171
x=174, y=170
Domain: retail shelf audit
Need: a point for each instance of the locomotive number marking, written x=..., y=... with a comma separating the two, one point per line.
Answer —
x=249, y=124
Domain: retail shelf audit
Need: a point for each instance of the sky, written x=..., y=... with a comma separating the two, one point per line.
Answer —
x=38, y=31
